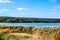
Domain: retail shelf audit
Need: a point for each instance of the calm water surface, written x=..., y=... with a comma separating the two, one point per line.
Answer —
x=34, y=24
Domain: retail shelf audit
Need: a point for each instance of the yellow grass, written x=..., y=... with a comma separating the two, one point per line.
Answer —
x=5, y=30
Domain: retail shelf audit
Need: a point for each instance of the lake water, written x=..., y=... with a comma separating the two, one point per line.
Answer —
x=33, y=24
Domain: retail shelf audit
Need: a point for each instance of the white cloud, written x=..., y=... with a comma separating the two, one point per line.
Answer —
x=14, y=15
x=20, y=9
x=59, y=13
x=58, y=7
x=53, y=1
x=4, y=10
x=54, y=9
x=5, y=1
x=1, y=11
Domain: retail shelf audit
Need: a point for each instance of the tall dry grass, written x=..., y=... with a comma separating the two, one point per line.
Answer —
x=36, y=33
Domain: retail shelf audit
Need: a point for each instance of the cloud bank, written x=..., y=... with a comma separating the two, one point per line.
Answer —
x=5, y=1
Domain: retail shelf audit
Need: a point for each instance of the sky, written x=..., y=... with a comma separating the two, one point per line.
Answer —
x=30, y=8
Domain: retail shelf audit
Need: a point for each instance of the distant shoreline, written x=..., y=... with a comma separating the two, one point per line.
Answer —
x=31, y=24
x=28, y=20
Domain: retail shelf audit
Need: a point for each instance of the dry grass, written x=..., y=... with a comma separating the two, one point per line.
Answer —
x=5, y=30
x=30, y=33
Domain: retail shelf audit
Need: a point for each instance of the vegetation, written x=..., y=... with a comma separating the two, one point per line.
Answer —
x=26, y=33
x=27, y=20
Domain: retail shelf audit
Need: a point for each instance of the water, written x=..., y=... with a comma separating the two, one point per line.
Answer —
x=33, y=24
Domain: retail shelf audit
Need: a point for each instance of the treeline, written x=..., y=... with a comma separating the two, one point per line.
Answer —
x=27, y=20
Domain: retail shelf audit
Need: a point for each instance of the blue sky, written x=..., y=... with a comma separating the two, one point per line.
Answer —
x=30, y=8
